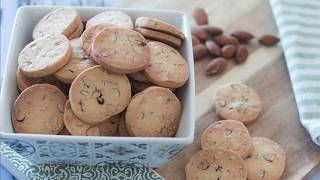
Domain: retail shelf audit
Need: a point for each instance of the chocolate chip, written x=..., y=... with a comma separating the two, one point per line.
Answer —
x=21, y=120
x=100, y=99
x=219, y=168
x=81, y=105
x=142, y=43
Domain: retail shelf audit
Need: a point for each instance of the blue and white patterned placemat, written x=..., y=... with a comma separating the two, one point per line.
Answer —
x=24, y=169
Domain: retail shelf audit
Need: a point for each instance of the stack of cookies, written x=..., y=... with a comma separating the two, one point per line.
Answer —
x=159, y=31
x=104, y=77
x=228, y=150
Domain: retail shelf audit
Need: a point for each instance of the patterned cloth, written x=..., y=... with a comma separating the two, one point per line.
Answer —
x=299, y=23
x=22, y=168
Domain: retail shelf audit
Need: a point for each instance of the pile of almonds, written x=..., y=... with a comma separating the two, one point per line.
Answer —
x=210, y=40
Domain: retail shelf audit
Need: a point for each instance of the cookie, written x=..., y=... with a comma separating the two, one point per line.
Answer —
x=79, y=128
x=160, y=36
x=39, y=110
x=45, y=55
x=215, y=164
x=24, y=82
x=167, y=67
x=155, y=112
x=158, y=25
x=121, y=50
x=267, y=161
x=62, y=21
x=96, y=94
x=139, y=76
x=227, y=134
x=88, y=36
x=77, y=33
x=78, y=63
x=122, y=127
x=117, y=18
x=238, y=102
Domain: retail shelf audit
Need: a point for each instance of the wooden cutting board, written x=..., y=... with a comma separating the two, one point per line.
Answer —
x=265, y=71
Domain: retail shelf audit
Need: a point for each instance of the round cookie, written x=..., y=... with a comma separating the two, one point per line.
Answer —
x=139, y=76
x=215, y=164
x=88, y=36
x=78, y=63
x=160, y=36
x=227, y=134
x=62, y=21
x=158, y=25
x=122, y=128
x=45, y=55
x=155, y=112
x=121, y=50
x=77, y=33
x=79, y=128
x=167, y=67
x=238, y=102
x=267, y=161
x=39, y=110
x=117, y=18
x=24, y=82
x=96, y=94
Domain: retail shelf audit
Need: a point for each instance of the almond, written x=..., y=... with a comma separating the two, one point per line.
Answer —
x=199, y=33
x=216, y=66
x=199, y=51
x=241, y=54
x=200, y=15
x=212, y=30
x=242, y=36
x=223, y=40
x=213, y=48
x=268, y=40
x=228, y=51
x=195, y=40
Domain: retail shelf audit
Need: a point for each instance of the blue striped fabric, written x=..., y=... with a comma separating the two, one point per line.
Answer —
x=299, y=26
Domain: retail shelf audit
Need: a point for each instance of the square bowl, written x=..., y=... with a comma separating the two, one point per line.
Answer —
x=94, y=150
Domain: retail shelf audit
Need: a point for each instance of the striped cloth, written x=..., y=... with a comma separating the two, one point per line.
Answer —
x=299, y=26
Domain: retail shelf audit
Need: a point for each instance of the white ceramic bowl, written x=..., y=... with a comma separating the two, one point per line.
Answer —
x=147, y=151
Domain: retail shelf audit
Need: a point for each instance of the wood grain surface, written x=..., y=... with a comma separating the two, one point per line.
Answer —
x=265, y=71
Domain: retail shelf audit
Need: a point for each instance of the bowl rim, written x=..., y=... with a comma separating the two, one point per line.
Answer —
x=102, y=139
